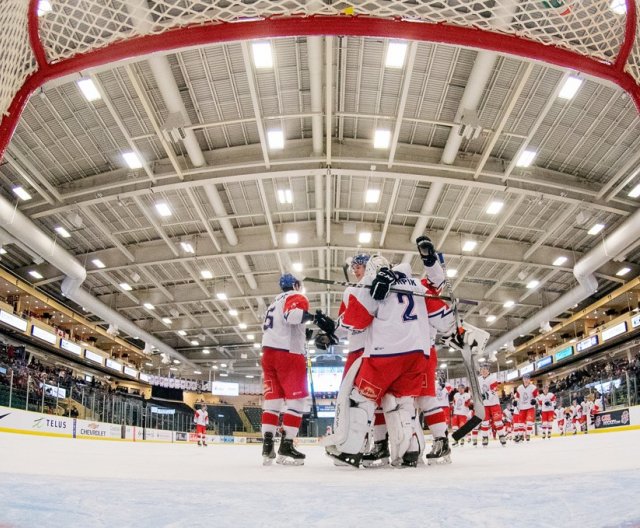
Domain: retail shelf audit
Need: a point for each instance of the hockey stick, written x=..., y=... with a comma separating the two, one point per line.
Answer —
x=470, y=365
x=345, y=270
x=392, y=289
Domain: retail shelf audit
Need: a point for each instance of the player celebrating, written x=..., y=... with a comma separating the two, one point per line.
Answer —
x=547, y=402
x=392, y=369
x=461, y=401
x=526, y=395
x=201, y=419
x=284, y=370
x=560, y=419
x=491, y=401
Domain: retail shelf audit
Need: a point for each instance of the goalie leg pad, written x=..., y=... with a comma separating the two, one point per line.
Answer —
x=343, y=406
x=354, y=430
x=400, y=416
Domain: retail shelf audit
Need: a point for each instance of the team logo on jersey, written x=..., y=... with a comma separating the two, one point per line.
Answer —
x=267, y=387
x=369, y=390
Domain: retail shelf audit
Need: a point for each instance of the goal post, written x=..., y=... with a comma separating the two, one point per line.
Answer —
x=41, y=40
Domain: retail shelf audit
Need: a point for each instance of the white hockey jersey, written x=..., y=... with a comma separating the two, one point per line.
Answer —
x=489, y=389
x=461, y=402
x=524, y=395
x=397, y=325
x=201, y=417
x=547, y=401
x=356, y=337
x=442, y=395
x=283, y=328
x=559, y=412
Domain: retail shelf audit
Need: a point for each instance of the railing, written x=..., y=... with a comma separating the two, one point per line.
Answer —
x=621, y=390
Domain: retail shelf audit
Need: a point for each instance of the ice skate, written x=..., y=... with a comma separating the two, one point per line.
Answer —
x=199, y=443
x=462, y=441
x=475, y=442
x=204, y=443
x=268, y=451
x=485, y=441
x=440, y=452
x=408, y=460
x=503, y=440
x=378, y=456
x=343, y=459
x=288, y=455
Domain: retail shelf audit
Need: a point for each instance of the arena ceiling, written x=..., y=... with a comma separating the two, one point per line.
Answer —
x=295, y=148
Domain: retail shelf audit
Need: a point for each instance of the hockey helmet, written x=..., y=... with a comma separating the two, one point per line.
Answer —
x=288, y=282
x=526, y=377
x=360, y=260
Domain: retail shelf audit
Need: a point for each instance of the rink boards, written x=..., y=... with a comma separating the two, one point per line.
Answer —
x=31, y=423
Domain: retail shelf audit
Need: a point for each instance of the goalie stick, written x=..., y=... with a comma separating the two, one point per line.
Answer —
x=392, y=289
x=469, y=358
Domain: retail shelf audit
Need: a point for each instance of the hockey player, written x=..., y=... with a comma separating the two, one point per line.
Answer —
x=392, y=368
x=526, y=395
x=379, y=454
x=547, y=403
x=518, y=425
x=579, y=418
x=201, y=420
x=461, y=401
x=559, y=412
x=586, y=405
x=507, y=419
x=284, y=370
x=491, y=401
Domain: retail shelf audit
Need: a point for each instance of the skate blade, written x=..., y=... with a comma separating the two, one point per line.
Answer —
x=267, y=461
x=288, y=461
x=441, y=461
x=375, y=464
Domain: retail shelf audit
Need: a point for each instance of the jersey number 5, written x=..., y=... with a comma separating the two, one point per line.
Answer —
x=408, y=314
x=268, y=319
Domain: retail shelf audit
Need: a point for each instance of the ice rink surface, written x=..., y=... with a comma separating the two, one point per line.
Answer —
x=581, y=481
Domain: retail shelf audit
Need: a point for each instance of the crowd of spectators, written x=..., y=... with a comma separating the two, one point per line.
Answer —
x=598, y=371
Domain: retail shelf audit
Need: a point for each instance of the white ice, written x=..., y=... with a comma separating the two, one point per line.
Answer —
x=583, y=481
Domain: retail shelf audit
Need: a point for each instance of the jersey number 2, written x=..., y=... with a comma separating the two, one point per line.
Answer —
x=408, y=314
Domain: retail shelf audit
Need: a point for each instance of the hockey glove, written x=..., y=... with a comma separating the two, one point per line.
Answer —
x=308, y=333
x=427, y=251
x=456, y=339
x=381, y=285
x=306, y=316
x=485, y=396
x=324, y=341
x=324, y=322
x=533, y=402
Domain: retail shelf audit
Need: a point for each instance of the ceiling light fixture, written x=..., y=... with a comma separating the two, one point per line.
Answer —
x=559, y=261
x=570, y=87
x=509, y=304
x=262, y=56
x=623, y=271
x=132, y=160
x=187, y=247
x=275, y=139
x=382, y=139
x=451, y=272
x=35, y=275
x=491, y=318
x=163, y=209
x=206, y=274
x=372, y=196
x=595, y=229
x=291, y=237
x=149, y=306
x=44, y=7
x=233, y=312
x=364, y=237
x=285, y=196
x=619, y=7
x=63, y=232
x=242, y=326
x=125, y=286
x=89, y=90
x=396, y=52
x=195, y=342
x=532, y=284
x=469, y=245
x=526, y=158
x=495, y=207
x=635, y=192
x=297, y=266
x=98, y=263
x=166, y=320
x=221, y=296
x=19, y=191
x=182, y=333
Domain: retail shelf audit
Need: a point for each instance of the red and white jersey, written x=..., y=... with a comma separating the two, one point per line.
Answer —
x=201, y=417
x=524, y=395
x=586, y=407
x=547, y=401
x=283, y=328
x=356, y=337
x=576, y=411
x=441, y=317
x=559, y=413
x=597, y=406
x=461, y=402
x=489, y=387
x=397, y=325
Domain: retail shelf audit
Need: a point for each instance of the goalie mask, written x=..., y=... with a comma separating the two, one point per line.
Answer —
x=374, y=264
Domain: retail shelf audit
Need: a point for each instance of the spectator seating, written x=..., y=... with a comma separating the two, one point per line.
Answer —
x=255, y=417
x=225, y=417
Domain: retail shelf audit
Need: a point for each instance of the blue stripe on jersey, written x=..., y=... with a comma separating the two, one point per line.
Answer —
x=439, y=313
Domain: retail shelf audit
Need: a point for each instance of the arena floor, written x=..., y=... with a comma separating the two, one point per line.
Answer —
x=585, y=481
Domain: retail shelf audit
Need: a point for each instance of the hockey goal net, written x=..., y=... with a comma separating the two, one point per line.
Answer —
x=44, y=39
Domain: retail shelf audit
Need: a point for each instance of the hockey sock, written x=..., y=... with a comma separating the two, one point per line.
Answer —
x=292, y=417
x=271, y=415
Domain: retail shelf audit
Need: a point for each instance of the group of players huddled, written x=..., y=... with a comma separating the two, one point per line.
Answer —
x=391, y=321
